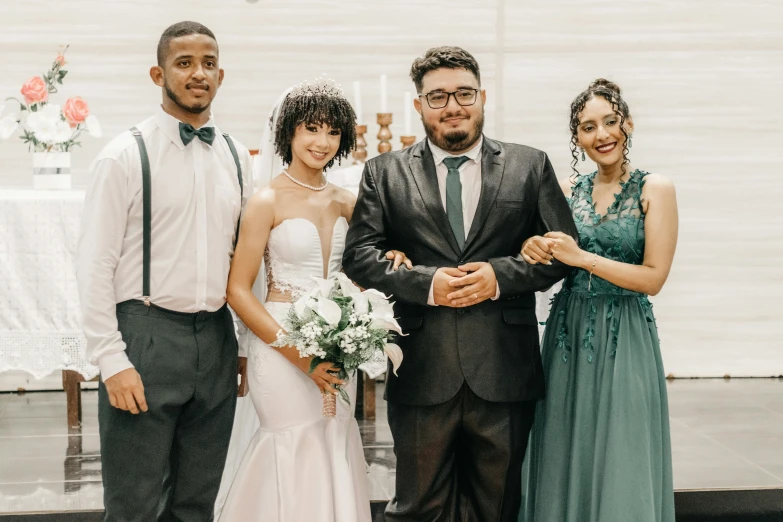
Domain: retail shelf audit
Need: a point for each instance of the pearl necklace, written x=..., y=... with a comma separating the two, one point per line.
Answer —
x=305, y=185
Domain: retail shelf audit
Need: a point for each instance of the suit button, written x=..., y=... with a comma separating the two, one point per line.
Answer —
x=461, y=311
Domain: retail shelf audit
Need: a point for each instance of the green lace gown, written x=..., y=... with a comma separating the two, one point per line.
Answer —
x=600, y=449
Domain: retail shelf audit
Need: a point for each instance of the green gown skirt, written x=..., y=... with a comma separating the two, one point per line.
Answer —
x=600, y=449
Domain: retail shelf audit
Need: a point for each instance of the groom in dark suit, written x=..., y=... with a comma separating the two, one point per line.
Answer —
x=460, y=205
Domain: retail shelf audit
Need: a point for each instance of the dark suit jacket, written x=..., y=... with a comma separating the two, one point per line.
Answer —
x=492, y=345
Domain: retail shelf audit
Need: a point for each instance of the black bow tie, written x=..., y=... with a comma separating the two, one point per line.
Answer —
x=187, y=133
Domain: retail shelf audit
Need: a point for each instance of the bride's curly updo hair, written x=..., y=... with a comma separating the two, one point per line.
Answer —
x=609, y=91
x=319, y=103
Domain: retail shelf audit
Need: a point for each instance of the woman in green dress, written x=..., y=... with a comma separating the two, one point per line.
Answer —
x=600, y=449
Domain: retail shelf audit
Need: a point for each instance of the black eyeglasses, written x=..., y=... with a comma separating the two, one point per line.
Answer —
x=439, y=99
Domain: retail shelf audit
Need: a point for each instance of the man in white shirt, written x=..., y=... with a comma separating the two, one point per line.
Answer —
x=160, y=221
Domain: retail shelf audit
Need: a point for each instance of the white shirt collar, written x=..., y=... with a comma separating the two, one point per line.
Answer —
x=170, y=125
x=439, y=154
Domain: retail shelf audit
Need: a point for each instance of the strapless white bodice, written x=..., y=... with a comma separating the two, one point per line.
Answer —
x=294, y=255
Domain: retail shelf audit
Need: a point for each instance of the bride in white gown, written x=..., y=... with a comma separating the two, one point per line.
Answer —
x=299, y=464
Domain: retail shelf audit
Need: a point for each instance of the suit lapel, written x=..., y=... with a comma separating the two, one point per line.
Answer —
x=492, y=163
x=422, y=166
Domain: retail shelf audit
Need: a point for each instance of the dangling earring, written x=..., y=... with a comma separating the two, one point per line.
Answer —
x=583, y=155
x=630, y=141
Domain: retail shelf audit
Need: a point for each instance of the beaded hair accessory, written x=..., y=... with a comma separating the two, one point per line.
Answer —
x=321, y=86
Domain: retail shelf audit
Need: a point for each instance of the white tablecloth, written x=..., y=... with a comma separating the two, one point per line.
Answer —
x=40, y=321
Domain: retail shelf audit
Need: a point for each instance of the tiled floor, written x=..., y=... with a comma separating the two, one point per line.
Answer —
x=726, y=434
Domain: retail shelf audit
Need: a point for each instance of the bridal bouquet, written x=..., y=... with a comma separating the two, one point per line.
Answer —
x=339, y=323
x=47, y=127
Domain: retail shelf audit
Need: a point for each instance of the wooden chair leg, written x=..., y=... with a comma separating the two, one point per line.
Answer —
x=73, y=397
x=369, y=398
x=358, y=412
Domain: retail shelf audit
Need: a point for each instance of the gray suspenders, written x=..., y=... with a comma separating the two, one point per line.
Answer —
x=146, y=185
x=239, y=176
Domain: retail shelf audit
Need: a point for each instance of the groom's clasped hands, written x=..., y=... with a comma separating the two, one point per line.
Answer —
x=459, y=287
x=467, y=285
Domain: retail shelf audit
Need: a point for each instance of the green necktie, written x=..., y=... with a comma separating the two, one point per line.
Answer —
x=187, y=133
x=454, y=198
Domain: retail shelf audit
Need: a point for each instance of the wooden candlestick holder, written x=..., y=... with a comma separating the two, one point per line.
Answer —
x=407, y=141
x=360, y=152
x=384, y=134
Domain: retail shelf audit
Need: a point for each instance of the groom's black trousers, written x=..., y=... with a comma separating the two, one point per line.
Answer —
x=460, y=461
x=166, y=464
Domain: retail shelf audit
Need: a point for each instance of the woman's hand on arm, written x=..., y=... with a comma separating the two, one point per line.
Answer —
x=399, y=258
x=537, y=249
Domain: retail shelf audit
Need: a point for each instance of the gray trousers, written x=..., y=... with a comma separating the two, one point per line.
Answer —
x=165, y=464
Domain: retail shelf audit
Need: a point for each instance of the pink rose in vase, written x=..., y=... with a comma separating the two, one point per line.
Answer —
x=75, y=111
x=35, y=90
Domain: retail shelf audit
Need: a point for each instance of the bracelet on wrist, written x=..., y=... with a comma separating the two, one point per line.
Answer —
x=592, y=269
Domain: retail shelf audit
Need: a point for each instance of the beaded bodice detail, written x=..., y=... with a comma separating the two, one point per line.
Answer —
x=616, y=235
x=294, y=255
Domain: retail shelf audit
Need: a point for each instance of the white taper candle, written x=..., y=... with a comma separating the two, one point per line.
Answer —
x=357, y=102
x=384, y=95
x=408, y=113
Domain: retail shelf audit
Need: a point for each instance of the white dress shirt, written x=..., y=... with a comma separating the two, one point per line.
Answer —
x=470, y=177
x=195, y=207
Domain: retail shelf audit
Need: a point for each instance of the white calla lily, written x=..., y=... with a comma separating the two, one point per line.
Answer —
x=375, y=296
x=361, y=304
x=382, y=309
x=300, y=306
x=387, y=323
x=93, y=127
x=7, y=127
x=383, y=316
x=329, y=310
x=347, y=286
x=325, y=286
x=306, y=302
x=394, y=353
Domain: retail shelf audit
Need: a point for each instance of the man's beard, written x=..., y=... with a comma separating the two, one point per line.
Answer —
x=173, y=97
x=456, y=140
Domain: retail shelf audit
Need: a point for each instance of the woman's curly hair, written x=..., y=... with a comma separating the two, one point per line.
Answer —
x=315, y=109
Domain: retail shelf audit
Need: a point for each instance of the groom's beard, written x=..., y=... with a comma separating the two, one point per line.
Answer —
x=455, y=140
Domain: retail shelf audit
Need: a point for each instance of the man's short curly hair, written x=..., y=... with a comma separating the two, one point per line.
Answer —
x=447, y=57
x=317, y=109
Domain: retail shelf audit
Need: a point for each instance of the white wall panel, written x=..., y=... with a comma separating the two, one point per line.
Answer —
x=703, y=79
